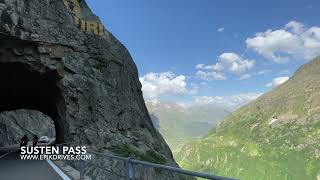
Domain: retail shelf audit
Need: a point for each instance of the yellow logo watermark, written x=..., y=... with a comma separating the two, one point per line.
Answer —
x=85, y=26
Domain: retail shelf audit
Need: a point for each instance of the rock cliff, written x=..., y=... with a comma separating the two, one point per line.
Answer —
x=56, y=57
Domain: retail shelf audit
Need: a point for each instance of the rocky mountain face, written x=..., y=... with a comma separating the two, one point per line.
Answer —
x=14, y=124
x=179, y=124
x=275, y=137
x=57, y=58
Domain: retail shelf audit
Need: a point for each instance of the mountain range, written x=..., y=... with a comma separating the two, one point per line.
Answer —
x=277, y=136
x=179, y=124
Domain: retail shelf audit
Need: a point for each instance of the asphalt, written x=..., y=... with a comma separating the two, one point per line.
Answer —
x=12, y=168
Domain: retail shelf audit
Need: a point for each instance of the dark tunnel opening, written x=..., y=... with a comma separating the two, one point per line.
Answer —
x=24, y=88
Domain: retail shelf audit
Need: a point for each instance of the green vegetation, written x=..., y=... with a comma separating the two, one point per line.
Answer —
x=149, y=156
x=100, y=66
x=275, y=137
x=152, y=156
x=179, y=125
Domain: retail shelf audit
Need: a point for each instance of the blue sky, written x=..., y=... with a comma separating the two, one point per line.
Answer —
x=176, y=35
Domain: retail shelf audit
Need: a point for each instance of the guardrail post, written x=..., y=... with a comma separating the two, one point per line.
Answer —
x=130, y=169
x=82, y=169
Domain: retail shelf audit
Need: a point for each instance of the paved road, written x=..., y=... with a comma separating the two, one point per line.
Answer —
x=12, y=168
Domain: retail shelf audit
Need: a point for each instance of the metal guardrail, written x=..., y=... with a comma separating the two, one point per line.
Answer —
x=130, y=162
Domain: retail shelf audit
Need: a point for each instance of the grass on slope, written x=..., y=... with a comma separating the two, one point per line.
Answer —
x=274, y=155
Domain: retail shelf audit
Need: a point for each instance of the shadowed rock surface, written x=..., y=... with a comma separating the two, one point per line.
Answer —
x=56, y=58
x=15, y=124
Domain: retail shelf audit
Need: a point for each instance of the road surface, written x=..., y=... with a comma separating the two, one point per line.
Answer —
x=12, y=168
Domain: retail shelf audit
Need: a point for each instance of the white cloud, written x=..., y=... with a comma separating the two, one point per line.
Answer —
x=203, y=83
x=234, y=63
x=227, y=62
x=231, y=102
x=277, y=81
x=200, y=66
x=220, y=29
x=212, y=75
x=215, y=67
x=194, y=89
x=155, y=85
x=245, y=76
x=292, y=41
x=296, y=27
x=284, y=72
x=209, y=100
x=262, y=72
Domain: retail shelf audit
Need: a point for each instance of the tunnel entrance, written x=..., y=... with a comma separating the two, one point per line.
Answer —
x=17, y=123
x=22, y=87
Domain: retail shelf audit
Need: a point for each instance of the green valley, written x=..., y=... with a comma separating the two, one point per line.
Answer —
x=179, y=124
x=275, y=137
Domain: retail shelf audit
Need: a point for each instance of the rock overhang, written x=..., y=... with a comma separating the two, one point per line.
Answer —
x=100, y=101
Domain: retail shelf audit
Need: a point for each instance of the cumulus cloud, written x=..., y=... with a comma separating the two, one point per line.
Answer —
x=200, y=66
x=292, y=41
x=155, y=85
x=277, y=81
x=231, y=102
x=234, y=63
x=220, y=29
x=211, y=75
x=245, y=76
x=214, y=67
x=227, y=62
